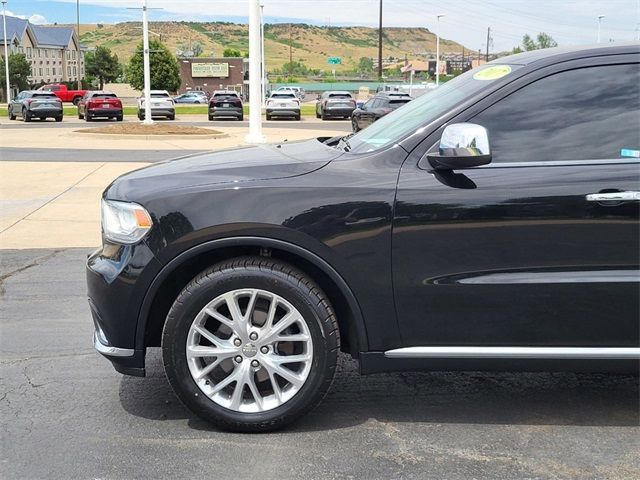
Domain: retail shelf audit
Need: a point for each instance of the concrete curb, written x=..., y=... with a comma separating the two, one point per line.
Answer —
x=124, y=136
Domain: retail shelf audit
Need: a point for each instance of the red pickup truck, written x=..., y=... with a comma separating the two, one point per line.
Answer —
x=63, y=93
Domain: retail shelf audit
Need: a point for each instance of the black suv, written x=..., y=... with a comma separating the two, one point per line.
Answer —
x=31, y=104
x=492, y=223
x=377, y=107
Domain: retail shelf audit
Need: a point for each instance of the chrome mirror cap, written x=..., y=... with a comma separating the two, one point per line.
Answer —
x=462, y=145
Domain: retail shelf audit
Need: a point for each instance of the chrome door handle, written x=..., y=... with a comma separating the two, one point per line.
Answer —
x=613, y=197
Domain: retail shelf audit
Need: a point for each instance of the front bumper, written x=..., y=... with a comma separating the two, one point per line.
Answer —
x=118, y=278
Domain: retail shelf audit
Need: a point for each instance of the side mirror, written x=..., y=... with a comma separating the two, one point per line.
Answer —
x=318, y=97
x=463, y=145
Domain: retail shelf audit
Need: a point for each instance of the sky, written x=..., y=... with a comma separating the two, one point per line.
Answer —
x=569, y=22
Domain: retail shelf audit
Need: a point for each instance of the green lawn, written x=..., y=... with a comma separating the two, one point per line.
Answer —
x=70, y=110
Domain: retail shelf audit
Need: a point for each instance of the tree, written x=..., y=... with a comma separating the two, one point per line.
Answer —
x=19, y=71
x=165, y=70
x=190, y=49
x=544, y=41
x=103, y=65
x=231, y=52
x=365, y=65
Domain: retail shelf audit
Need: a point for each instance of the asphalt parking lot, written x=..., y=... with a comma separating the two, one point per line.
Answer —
x=65, y=413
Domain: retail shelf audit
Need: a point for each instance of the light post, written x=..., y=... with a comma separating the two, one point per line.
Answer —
x=78, y=63
x=262, y=59
x=438, y=50
x=600, y=17
x=255, y=113
x=6, y=50
x=147, y=67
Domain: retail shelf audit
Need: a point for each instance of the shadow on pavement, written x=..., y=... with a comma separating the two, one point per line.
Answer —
x=435, y=397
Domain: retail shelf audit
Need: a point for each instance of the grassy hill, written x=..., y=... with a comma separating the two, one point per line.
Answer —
x=310, y=44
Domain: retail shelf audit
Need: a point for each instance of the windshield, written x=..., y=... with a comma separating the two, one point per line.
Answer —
x=283, y=95
x=426, y=108
x=160, y=95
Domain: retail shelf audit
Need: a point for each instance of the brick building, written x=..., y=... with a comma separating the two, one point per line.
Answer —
x=209, y=74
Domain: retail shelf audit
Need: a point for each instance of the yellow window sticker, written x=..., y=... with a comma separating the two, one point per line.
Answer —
x=493, y=73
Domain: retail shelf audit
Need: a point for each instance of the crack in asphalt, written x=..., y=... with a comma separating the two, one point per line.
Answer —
x=35, y=263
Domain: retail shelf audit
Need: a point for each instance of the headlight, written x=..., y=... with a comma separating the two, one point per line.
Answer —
x=124, y=222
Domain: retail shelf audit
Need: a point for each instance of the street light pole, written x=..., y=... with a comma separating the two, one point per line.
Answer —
x=78, y=44
x=600, y=17
x=6, y=50
x=380, y=44
x=263, y=70
x=255, y=113
x=147, y=68
x=438, y=50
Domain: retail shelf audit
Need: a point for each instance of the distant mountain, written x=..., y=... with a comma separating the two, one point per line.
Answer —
x=310, y=44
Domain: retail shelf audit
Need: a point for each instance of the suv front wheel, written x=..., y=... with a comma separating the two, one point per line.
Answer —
x=250, y=344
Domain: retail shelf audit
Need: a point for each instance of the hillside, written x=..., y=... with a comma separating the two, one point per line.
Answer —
x=310, y=44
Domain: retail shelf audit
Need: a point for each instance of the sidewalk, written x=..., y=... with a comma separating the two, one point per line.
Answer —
x=57, y=204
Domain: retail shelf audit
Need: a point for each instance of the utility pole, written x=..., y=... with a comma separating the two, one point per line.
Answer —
x=488, y=40
x=380, y=45
x=78, y=44
x=255, y=113
x=147, y=66
x=263, y=60
x=290, y=53
x=600, y=17
x=438, y=50
x=6, y=52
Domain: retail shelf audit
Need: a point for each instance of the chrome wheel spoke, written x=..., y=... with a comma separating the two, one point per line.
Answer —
x=289, y=319
x=297, y=337
x=208, y=335
x=282, y=359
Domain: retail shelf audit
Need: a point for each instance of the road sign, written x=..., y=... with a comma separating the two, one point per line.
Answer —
x=334, y=60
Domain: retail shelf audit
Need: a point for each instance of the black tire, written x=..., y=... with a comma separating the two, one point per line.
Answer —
x=354, y=125
x=241, y=118
x=140, y=117
x=171, y=117
x=120, y=118
x=88, y=117
x=76, y=100
x=211, y=118
x=317, y=114
x=323, y=116
x=80, y=116
x=59, y=119
x=297, y=117
x=26, y=117
x=268, y=117
x=276, y=277
x=10, y=114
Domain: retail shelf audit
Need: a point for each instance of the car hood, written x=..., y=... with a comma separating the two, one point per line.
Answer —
x=239, y=165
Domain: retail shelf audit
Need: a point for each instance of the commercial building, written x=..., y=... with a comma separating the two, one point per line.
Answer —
x=209, y=74
x=51, y=50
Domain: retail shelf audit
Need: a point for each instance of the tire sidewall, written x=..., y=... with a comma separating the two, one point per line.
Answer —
x=206, y=288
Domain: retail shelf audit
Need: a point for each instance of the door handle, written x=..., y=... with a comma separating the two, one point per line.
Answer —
x=613, y=197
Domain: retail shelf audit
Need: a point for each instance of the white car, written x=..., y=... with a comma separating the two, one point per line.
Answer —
x=283, y=105
x=297, y=91
x=162, y=105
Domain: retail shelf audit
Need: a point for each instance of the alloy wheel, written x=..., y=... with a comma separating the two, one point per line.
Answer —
x=249, y=350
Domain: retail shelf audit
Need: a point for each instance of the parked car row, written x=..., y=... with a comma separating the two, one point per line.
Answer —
x=283, y=102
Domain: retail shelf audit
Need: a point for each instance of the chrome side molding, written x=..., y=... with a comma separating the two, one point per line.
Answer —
x=559, y=353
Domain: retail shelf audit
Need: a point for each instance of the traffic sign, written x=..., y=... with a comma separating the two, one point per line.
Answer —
x=334, y=60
